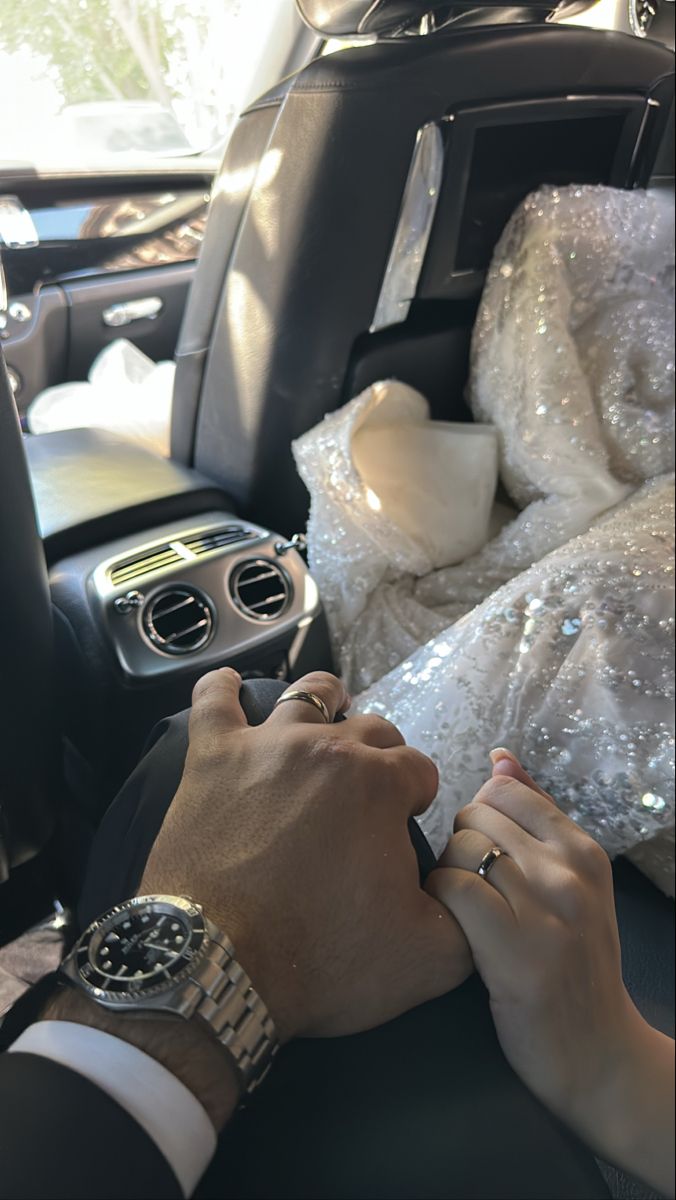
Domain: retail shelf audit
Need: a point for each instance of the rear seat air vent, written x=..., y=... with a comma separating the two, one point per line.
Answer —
x=260, y=589
x=213, y=539
x=143, y=564
x=178, y=620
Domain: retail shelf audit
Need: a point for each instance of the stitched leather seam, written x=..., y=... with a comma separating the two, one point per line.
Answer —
x=260, y=105
x=371, y=11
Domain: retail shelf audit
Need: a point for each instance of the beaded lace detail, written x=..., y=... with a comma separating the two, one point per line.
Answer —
x=570, y=665
x=555, y=639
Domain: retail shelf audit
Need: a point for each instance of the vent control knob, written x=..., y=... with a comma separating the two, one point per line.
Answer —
x=298, y=542
x=127, y=604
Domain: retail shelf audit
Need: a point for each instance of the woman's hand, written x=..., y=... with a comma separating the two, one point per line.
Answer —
x=543, y=932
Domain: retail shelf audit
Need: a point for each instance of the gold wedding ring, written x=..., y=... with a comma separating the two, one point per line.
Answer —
x=488, y=861
x=307, y=698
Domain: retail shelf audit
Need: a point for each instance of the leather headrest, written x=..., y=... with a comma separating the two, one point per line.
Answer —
x=351, y=18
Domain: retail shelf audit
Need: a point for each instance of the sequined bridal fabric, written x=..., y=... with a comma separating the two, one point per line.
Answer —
x=555, y=638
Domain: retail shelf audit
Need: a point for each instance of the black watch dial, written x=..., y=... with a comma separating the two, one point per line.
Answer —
x=141, y=947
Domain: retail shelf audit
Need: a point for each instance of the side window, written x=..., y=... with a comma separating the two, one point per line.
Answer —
x=87, y=83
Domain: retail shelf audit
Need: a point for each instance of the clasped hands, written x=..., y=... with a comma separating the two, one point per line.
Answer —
x=293, y=836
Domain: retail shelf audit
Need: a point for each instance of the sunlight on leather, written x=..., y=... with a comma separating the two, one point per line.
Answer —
x=240, y=179
x=235, y=182
x=249, y=324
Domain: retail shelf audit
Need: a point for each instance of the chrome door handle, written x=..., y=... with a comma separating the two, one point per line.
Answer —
x=17, y=232
x=146, y=309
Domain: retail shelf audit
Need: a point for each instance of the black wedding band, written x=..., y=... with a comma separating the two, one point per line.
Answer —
x=307, y=698
x=488, y=861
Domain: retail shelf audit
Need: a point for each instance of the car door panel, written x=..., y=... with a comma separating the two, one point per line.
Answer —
x=101, y=242
x=66, y=328
x=89, y=302
x=36, y=345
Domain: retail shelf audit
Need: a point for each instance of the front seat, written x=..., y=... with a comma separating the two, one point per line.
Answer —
x=350, y=226
x=357, y=208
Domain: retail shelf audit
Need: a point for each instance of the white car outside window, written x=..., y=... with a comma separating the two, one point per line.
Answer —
x=103, y=83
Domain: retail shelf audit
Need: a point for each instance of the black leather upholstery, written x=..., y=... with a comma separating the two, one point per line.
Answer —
x=228, y=205
x=302, y=222
x=345, y=18
x=29, y=777
x=91, y=486
x=646, y=921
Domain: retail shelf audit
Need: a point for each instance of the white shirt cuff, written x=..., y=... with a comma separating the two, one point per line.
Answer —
x=163, y=1106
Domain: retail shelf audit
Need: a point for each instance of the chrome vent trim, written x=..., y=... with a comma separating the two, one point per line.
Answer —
x=180, y=550
x=213, y=539
x=178, y=620
x=143, y=564
x=260, y=589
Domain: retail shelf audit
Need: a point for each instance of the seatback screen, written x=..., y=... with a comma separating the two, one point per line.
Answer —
x=509, y=161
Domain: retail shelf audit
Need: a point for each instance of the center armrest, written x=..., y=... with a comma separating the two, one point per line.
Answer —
x=91, y=486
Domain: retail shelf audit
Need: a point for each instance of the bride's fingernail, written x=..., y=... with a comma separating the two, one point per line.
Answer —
x=499, y=753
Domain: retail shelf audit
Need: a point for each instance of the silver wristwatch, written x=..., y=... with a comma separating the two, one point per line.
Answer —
x=161, y=954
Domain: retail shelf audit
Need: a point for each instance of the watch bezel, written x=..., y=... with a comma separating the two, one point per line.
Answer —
x=129, y=991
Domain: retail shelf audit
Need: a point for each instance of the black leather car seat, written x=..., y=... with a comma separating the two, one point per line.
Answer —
x=30, y=778
x=307, y=208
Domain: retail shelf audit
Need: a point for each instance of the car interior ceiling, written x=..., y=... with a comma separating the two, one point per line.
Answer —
x=117, y=605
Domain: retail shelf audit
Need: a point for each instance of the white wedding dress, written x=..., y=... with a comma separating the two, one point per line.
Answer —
x=555, y=638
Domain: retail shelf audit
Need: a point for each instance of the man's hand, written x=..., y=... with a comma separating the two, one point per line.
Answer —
x=293, y=837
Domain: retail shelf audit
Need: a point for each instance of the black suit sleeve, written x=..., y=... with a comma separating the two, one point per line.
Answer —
x=61, y=1136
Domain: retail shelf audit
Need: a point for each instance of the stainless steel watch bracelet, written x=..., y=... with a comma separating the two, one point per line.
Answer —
x=220, y=993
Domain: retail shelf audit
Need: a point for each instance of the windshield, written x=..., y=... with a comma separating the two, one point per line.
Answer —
x=104, y=82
